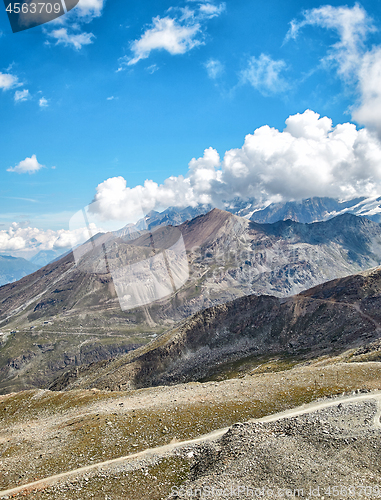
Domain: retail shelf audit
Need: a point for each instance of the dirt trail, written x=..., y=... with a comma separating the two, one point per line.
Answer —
x=162, y=450
x=356, y=307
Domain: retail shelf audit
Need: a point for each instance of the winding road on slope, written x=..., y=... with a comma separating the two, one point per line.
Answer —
x=161, y=450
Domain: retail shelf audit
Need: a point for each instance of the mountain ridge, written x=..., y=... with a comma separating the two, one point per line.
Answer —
x=304, y=326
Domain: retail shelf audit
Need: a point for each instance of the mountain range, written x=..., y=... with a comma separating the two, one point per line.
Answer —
x=305, y=211
x=69, y=313
x=308, y=210
x=228, y=257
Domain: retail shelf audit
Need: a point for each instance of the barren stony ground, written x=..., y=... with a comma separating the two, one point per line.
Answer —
x=44, y=433
x=330, y=453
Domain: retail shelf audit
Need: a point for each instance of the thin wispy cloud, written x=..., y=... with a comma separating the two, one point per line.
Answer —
x=22, y=95
x=355, y=64
x=352, y=26
x=152, y=69
x=209, y=10
x=265, y=74
x=71, y=31
x=31, y=200
x=214, y=68
x=75, y=40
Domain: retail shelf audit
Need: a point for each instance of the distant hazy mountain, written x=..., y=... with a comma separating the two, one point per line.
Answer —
x=173, y=216
x=44, y=257
x=14, y=268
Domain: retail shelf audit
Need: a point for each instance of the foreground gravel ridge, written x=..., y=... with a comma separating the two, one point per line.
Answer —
x=332, y=452
x=334, y=445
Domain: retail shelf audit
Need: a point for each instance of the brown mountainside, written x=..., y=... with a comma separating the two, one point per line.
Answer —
x=326, y=320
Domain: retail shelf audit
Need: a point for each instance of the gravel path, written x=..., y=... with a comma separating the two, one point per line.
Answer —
x=168, y=449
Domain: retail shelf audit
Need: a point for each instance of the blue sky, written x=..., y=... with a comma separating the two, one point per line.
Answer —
x=130, y=91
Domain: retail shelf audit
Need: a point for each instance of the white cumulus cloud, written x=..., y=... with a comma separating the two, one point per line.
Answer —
x=176, y=34
x=308, y=158
x=31, y=240
x=27, y=166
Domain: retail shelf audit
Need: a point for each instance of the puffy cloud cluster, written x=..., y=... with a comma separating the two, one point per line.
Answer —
x=177, y=33
x=27, y=166
x=353, y=61
x=71, y=33
x=309, y=157
x=18, y=237
x=114, y=200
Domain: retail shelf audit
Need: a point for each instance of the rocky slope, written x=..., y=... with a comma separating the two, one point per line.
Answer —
x=330, y=452
x=323, y=321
